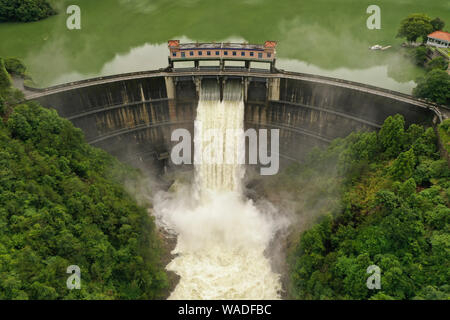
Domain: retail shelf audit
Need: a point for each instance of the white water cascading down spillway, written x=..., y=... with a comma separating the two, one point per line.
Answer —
x=221, y=235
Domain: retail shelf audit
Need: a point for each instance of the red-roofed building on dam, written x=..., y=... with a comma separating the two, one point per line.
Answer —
x=439, y=39
x=222, y=52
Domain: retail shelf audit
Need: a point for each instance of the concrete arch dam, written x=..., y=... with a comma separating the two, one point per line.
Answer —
x=133, y=115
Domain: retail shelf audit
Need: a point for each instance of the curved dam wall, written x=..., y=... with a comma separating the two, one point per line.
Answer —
x=312, y=114
x=133, y=118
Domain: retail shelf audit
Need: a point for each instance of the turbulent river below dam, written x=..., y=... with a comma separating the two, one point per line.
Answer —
x=221, y=235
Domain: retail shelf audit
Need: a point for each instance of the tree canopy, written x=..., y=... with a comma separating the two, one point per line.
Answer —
x=25, y=10
x=415, y=26
x=434, y=86
x=378, y=199
x=15, y=66
x=438, y=63
x=62, y=203
x=444, y=133
x=5, y=79
x=420, y=55
x=437, y=24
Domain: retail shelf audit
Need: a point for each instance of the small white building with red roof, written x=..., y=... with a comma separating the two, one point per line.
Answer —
x=439, y=39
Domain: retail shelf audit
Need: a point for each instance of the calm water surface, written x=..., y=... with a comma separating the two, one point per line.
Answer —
x=322, y=36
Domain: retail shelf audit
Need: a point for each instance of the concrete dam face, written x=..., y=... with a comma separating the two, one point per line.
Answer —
x=132, y=116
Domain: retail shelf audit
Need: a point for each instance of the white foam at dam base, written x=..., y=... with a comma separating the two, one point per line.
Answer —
x=221, y=236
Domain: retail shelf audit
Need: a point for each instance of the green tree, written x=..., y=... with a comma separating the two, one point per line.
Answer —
x=415, y=26
x=420, y=55
x=19, y=126
x=385, y=217
x=2, y=105
x=5, y=79
x=392, y=135
x=15, y=66
x=62, y=202
x=435, y=86
x=437, y=24
x=438, y=63
x=444, y=133
x=433, y=293
x=403, y=166
x=24, y=10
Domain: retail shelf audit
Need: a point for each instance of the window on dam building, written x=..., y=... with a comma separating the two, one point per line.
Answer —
x=225, y=53
x=263, y=53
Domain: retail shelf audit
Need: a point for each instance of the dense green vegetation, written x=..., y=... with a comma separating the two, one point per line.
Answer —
x=420, y=55
x=25, y=10
x=434, y=86
x=438, y=24
x=5, y=78
x=15, y=66
x=444, y=133
x=383, y=199
x=62, y=203
x=418, y=26
x=438, y=63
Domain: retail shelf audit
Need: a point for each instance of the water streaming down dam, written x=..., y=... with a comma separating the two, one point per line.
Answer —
x=218, y=128
x=221, y=236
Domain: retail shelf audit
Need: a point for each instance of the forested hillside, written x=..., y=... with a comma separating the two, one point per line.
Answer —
x=383, y=199
x=62, y=203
